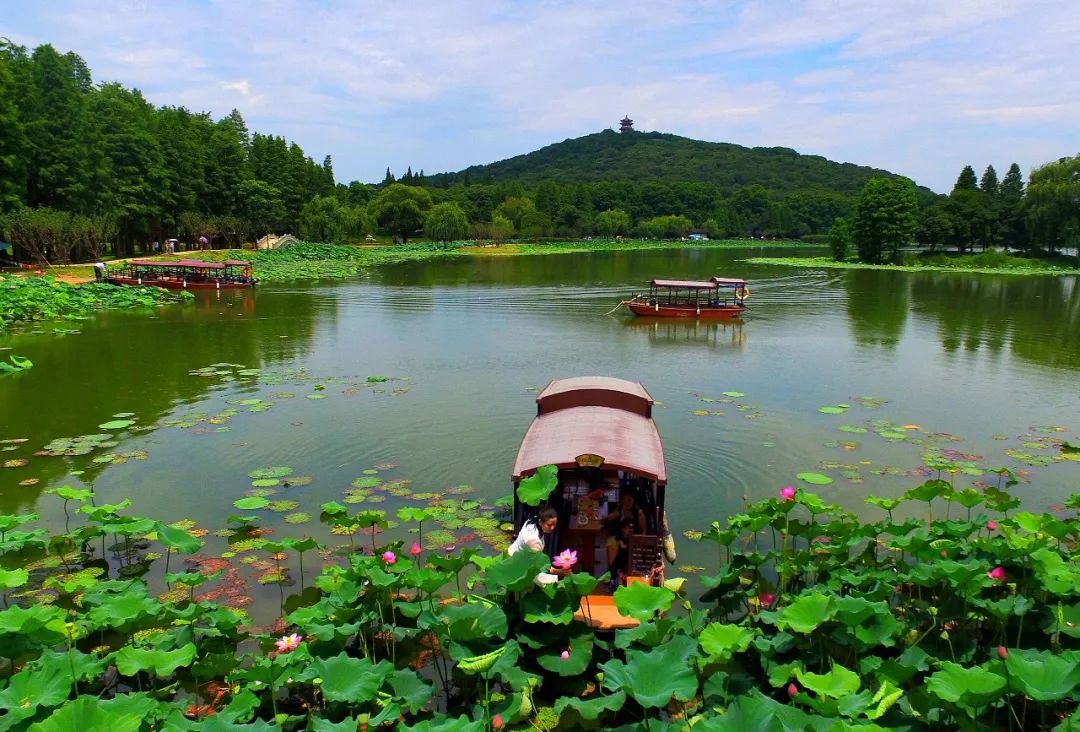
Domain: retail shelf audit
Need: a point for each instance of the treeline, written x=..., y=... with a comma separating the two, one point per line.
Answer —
x=84, y=163
x=93, y=169
x=1042, y=217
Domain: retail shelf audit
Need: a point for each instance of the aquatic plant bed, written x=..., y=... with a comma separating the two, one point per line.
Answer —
x=961, y=616
x=44, y=298
x=1007, y=265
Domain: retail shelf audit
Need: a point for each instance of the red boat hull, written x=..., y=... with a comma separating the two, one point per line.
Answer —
x=175, y=284
x=685, y=311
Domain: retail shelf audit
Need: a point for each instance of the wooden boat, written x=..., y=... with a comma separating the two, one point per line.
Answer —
x=185, y=274
x=719, y=297
x=600, y=435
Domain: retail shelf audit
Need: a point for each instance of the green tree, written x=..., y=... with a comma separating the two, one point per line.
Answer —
x=446, y=222
x=612, y=222
x=885, y=217
x=667, y=227
x=260, y=204
x=841, y=239
x=1011, y=199
x=324, y=219
x=966, y=181
x=514, y=210
x=13, y=144
x=400, y=209
x=1053, y=204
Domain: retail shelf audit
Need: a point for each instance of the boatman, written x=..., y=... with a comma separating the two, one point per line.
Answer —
x=99, y=271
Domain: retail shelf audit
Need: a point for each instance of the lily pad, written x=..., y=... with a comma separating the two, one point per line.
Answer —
x=251, y=502
x=275, y=472
x=265, y=483
x=734, y=394
x=814, y=478
x=116, y=424
x=297, y=518
x=837, y=409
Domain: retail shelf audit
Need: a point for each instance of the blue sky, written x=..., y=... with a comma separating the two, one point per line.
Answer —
x=918, y=88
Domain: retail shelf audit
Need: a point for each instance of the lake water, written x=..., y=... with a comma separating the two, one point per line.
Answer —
x=982, y=366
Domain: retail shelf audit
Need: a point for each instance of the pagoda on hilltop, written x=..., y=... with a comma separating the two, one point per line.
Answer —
x=626, y=125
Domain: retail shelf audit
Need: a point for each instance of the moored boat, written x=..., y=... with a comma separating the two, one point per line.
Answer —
x=185, y=274
x=608, y=481
x=719, y=297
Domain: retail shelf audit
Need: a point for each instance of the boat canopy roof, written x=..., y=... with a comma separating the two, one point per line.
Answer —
x=685, y=284
x=597, y=391
x=729, y=282
x=190, y=263
x=625, y=440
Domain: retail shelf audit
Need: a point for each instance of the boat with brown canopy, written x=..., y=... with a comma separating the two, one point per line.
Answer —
x=185, y=274
x=718, y=297
x=599, y=435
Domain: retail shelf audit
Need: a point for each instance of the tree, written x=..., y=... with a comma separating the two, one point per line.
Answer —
x=324, y=219
x=400, y=209
x=1053, y=204
x=1011, y=200
x=514, y=210
x=966, y=181
x=260, y=204
x=12, y=135
x=446, y=222
x=841, y=239
x=612, y=222
x=885, y=218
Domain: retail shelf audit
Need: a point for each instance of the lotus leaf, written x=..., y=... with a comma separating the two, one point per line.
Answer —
x=836, y=684
x=591, y=709
x=653, y=677
x=1042, y=675
x=720, y=641
x=814, y=478
x=806, y=613
x=536, y=488
x=545, y=605
x=474, y=621
x=297, y=518
x=641, y=601
x=130, y=660
x=90, y=713
x=832, y=410
x=117, y=424
x=515, y=573
x=282, y=506
x=348, y=679
x=446, y=724
x=971, y=687
x=367, y=482
x=177, y=539
x=264, y=482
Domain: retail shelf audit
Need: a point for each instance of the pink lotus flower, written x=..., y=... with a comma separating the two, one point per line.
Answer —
x=389, y=557
x=565, y=655
x=997, y=574
x=1003, y=652
x=991, y=524
x=565, y=560
x=287, y=643
x=415, y=550
x=787, y=493
x=792, y=690
x=766, y=599
x=497, y=722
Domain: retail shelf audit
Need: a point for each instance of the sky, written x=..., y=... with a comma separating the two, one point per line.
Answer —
x=919, y=88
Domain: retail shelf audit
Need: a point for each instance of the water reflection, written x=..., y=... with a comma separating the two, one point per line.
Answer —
x=1034, y=318
x=877, y=307
x=713, y=334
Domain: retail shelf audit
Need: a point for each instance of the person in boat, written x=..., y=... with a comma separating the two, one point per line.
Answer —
x=628, y=509
x=538, y=535
x=618, y=552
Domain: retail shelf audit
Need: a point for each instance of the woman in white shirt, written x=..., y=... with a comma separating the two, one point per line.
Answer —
x=539, y=536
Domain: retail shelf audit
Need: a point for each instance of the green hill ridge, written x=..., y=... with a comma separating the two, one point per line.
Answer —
x=610, y=156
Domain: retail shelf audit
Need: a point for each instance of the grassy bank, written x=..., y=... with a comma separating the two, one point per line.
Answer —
x=44, y=298
x=996, y=262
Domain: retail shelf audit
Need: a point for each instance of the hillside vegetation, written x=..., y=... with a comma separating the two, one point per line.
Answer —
x=655, y=156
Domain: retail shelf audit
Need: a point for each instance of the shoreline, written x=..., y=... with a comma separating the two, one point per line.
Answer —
x=829, y=263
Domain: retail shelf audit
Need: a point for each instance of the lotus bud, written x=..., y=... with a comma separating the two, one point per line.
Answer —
x=1002, y=652
x=792, y=690
x=944, y=635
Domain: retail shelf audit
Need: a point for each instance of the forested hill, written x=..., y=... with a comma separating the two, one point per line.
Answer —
x=655, y=156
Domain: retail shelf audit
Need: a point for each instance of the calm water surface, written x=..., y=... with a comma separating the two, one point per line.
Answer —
x=980, y=364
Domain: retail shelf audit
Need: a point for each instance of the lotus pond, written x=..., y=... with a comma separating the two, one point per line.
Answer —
x=278, y=434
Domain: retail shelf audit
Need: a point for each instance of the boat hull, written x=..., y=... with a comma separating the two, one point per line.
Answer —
x=174, y=284
x=685, y=311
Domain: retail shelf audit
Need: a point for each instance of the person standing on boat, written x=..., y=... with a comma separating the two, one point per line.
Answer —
x=618, y=552
x=628, y=509
x=538, y=535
